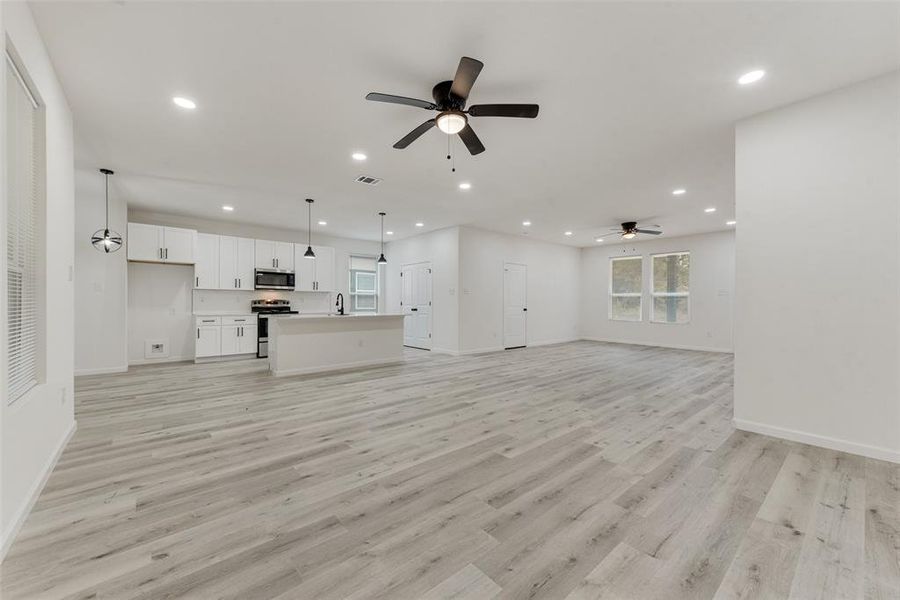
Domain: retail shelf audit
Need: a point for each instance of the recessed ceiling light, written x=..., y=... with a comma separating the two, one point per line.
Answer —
x=710, y=209
x=184, y=102
x=567, y=233
x=731, y=222
x=388, y=233
x=323, y=223
x=420, y=224
x=358, y=156
x=751, y=77
x=227, y=208
x=679, y=192
x=465, y=185
x=598, y=240
x=526, y=223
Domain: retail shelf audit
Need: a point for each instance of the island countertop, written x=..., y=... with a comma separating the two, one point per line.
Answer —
x=331, y=316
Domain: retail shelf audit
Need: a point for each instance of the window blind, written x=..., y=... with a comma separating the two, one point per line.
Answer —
x=363, y=263
x=21, y=235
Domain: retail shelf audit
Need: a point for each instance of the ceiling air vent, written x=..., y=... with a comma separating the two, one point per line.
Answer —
x=368, y=180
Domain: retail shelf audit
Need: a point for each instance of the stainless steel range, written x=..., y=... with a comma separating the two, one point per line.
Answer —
x=264, y=309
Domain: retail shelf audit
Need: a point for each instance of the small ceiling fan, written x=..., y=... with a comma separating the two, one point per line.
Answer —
x=450, y=100
x=630, y=230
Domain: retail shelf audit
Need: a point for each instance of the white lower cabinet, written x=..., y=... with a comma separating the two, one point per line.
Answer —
x=209, y=341
x=225, y=336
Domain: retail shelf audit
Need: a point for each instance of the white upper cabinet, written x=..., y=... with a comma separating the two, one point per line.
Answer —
x=305, y=273
x=284, y=256
x=179, y=245
x=206, y=269
x=314, y=274
x=265, y=254
x=236, y=263
x=274, y=255
x=324, y=268
x=144, y=242
x=246, y=261
x=153, y=243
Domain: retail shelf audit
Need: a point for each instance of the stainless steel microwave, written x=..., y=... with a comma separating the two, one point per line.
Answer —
x=272, y=279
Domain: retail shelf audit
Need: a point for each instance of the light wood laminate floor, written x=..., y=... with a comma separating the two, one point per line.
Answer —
x=576, y=471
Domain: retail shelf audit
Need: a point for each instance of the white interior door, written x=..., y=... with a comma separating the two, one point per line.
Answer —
x=416, y=302
x=515, y=307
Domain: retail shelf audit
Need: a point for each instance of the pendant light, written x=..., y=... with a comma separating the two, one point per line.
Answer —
x=381, y=259
x=309, y=251
x=104, y=239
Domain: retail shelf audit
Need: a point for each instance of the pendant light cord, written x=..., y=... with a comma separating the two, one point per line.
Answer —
x=107, y=200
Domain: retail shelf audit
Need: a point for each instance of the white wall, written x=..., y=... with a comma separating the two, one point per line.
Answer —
x=818, y=270
x=161, y=299
x=711, y=285
x=35, y=428
x=552, y=292
x=441, y=249
x=101, y=280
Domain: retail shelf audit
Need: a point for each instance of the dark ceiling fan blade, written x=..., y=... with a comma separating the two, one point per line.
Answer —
x=413, y=135
x=466, y=74
x=467, y=135
x=650, y=231
x=391, y=99
x=523, y=111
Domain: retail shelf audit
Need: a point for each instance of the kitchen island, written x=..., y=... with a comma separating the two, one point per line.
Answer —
x=301, y=344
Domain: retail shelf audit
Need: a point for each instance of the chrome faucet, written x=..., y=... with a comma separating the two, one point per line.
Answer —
x=340, y=303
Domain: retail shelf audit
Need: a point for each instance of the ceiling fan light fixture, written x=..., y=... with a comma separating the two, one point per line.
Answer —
x=451, y=122
x=628, y=235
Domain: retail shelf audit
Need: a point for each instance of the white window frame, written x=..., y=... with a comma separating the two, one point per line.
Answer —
x=654, y=294
x=639, y=295
x=353, y=295
x=29, y=373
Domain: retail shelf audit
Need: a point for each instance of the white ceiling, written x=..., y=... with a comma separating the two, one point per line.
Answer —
x=636, y=99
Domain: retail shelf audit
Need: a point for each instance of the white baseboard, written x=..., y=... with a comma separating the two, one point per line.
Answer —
x=101, y=371
x=342, y=367
x=657, y=345
x=18, y=519
x=159, y=361
x=819, y=440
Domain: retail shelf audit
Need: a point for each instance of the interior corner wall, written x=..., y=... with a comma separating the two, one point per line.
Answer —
x=441, y=249
x=37, y=426
x=711, y=301
x=817, y=336
x=552, y=289
x=101, y=279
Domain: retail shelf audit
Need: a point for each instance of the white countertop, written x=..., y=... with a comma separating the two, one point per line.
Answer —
x=223, y=313
x=337, y=316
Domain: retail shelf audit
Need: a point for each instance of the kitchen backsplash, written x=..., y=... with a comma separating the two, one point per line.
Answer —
x=305, y=302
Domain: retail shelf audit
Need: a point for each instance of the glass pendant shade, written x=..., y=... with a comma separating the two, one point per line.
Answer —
x=104, y=239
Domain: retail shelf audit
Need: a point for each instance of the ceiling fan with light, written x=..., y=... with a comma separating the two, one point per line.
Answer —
x=450, y=101
x=630, y=229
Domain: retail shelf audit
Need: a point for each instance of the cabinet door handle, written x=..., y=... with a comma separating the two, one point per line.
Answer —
x=239, y=282
x=239, y=320
x=198, y=282
x=198, y=333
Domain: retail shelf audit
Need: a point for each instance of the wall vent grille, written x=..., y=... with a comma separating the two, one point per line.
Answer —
x=368, y=180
